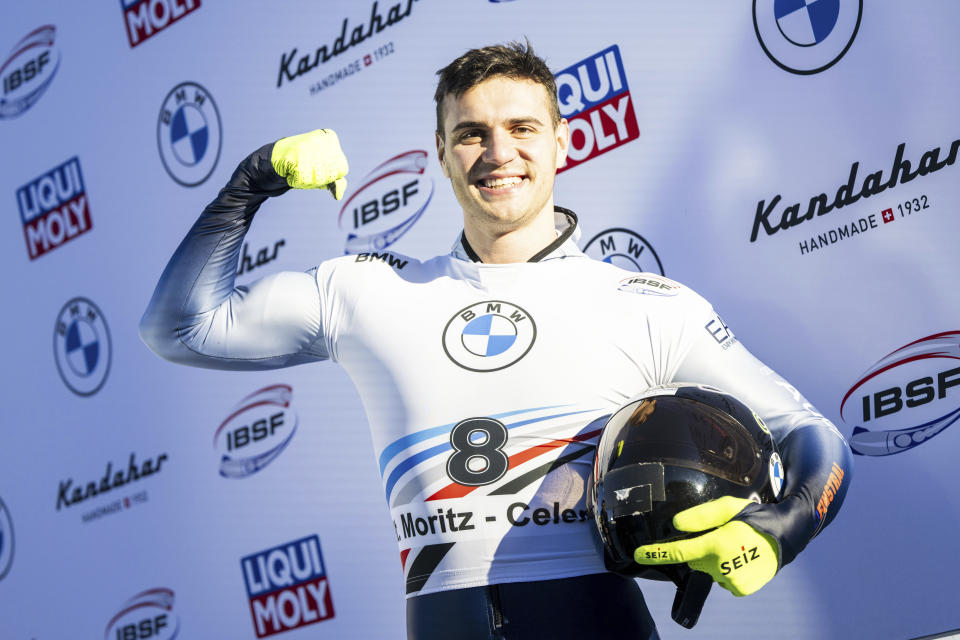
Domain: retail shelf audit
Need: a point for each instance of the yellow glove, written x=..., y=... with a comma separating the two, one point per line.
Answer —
x=312, y=161
x=737, y=556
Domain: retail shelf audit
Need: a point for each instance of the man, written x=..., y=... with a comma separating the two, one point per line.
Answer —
x=487, y=373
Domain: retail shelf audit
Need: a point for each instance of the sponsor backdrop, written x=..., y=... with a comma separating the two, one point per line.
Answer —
x=796, y=163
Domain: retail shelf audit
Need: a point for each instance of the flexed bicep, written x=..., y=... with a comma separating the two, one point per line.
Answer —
x=197, y=315
x=274, y=322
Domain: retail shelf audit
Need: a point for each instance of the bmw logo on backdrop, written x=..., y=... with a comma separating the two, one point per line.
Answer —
x=804, y=36
x=625, y=249
x=188, y=134
x=81, y=346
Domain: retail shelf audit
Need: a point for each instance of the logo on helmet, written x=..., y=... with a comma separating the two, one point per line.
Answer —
x=760, y=422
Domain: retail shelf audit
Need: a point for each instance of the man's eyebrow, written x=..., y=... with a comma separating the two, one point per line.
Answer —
x=525, y=120
x=511, y=122
x=468, y=125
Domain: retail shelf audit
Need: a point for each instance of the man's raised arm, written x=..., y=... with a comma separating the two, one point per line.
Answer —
x=198, y=317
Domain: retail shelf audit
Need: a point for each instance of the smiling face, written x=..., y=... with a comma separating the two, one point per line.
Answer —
x=501, y=149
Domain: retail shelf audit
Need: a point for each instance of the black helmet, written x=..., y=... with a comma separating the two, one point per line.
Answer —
x=671, y=448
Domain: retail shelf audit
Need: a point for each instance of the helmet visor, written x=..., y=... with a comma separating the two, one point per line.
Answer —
x=687, y=433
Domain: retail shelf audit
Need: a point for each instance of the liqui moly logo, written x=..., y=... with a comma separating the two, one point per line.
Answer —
x=54, y=208
x=287, y=586
x=146, y=18
x=595, y=99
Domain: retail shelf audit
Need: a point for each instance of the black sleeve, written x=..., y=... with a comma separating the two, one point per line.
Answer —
x=818, y=466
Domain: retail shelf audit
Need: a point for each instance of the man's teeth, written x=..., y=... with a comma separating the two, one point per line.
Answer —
x=500, y=183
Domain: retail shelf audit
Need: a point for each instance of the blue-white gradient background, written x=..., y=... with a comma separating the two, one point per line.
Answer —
x=722, y=127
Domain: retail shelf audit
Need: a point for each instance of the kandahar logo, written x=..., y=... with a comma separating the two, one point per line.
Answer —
x=257, y=430
x=82, y=347
x=910, y=391
x=6, y=541
x=148, y=614
x=188, y=134
x=804, y=36
x=28, y=71
x=489, y=336
x=625, y=249
x=392, y=199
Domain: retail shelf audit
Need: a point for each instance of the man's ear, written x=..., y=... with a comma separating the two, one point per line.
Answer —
x=563, y=141
x=440, y=154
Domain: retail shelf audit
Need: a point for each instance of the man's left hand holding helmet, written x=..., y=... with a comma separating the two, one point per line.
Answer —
x=746, y=543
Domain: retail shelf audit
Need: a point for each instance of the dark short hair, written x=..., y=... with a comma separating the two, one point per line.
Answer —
x=514, y=60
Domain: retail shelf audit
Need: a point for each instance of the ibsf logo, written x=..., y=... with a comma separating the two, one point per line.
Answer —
x=188, y=134
x=82, y=347
x=649, y=285
x=907, y=396
x=28, y=71
x=6, y=541
x=54, y=208
x=287, y=586
x=391, y=200
x=806, y=37
x=146, y=18
x=257, y=430
x=595, y=99
x=146, y=615
x=625, y=249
